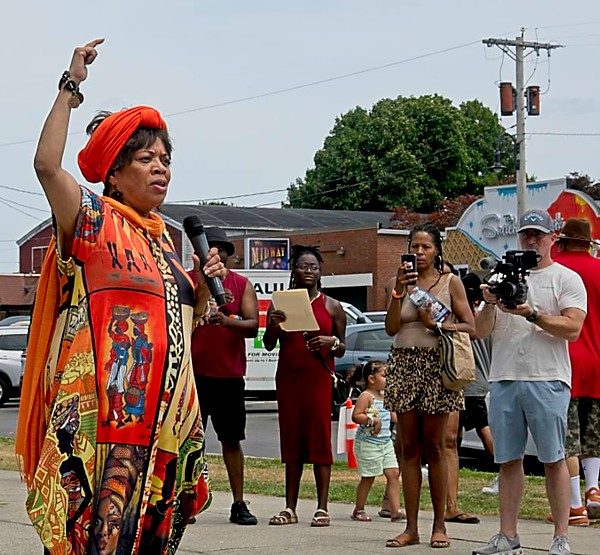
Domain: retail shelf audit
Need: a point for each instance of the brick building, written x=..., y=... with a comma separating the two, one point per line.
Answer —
x=361, y=250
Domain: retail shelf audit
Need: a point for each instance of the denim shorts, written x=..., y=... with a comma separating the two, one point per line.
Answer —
x=540, y=407
x=374, y=457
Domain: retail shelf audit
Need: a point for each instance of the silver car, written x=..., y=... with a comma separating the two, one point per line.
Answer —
x=363, y=342
x=13, y=340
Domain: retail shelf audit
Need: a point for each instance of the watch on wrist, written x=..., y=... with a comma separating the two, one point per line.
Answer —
x=336, y=343
x=533, y=316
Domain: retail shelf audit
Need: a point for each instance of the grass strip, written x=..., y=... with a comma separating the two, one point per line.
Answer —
x=266, y=477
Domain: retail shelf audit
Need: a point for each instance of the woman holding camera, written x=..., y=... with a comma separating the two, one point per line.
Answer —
x=414, y=387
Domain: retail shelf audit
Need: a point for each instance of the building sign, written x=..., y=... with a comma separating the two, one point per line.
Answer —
x=267, y=254
x=491, y=222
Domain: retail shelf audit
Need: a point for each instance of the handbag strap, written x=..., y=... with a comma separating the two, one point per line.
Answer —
x=322, y=361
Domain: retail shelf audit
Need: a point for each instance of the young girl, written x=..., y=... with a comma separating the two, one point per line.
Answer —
x=373, y=445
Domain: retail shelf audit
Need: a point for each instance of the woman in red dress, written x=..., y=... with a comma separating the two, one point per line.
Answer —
x=305, y=365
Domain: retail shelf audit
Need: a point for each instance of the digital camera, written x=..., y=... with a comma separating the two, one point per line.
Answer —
x=508, y=280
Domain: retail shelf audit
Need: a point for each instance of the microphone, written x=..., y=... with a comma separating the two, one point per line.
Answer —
x=195, y=231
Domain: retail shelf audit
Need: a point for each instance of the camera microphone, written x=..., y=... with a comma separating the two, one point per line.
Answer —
x=195, y=231
x=488, y=263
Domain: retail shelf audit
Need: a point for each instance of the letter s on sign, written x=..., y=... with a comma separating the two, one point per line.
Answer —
x=487, y=222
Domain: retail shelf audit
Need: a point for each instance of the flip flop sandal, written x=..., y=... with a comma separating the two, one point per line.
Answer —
x=463, y=518
x=403, y=540
x=385, y=513
x=320, y=519
x=287, y=516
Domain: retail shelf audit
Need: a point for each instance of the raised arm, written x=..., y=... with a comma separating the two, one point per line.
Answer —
x=60, y=186
x=395, y=291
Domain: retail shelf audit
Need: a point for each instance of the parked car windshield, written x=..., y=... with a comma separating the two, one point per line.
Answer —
x=15, y=320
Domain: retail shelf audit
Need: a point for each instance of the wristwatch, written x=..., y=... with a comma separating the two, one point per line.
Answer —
x=336, y=343
x=533, y=316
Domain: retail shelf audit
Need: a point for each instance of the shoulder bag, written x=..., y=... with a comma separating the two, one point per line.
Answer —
x=458, y=362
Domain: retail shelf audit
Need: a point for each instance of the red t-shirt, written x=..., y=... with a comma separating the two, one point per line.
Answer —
x=585, y=352
x=220, y=352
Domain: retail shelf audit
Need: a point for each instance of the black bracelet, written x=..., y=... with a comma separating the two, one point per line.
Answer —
x=66, y=83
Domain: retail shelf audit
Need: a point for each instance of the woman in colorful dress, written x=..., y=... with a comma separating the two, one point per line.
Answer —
x=111, y=271
x=304, y=385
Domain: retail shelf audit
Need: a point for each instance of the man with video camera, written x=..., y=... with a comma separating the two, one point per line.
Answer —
x=530, y=379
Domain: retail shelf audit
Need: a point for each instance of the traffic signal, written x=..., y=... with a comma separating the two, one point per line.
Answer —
x=533, y=100
x=507, y=99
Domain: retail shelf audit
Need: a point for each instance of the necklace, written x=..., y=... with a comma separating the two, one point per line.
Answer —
x=424, y=282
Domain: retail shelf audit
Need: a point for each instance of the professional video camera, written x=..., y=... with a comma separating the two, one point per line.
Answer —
x=508, y=280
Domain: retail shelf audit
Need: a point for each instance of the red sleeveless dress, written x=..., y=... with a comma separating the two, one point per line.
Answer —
x=304, y=389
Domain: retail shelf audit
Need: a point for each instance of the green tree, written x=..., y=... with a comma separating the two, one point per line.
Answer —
x=583, y=182
x=412, y=152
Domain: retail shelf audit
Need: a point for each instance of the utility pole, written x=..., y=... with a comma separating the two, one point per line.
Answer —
x=521, y=48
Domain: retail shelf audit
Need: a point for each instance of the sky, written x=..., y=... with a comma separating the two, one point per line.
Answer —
x=251, y=88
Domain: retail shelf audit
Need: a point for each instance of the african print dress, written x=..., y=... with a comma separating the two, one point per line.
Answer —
x=122, y=467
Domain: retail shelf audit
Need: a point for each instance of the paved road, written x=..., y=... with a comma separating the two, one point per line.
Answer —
x=262, y=432
x=262, y=429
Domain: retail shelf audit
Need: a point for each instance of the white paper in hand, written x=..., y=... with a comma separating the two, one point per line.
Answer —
x=298, y=311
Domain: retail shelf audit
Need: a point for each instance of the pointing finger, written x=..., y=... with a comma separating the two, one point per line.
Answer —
x=94, y=43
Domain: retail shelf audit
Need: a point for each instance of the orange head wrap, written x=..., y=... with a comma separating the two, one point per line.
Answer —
x=109, y=138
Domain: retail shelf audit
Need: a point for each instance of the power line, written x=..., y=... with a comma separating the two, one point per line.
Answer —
x=45, y=211
x=566, y=134
x=288, y=89
x=37, y=193
x=27, y=141
x=581, y=24
x=9, y=204
x=322, y=81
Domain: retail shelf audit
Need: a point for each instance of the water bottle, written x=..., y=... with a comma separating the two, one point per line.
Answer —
x=421, y=298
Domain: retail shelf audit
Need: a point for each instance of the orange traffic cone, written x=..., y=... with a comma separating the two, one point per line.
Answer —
x=350, y=431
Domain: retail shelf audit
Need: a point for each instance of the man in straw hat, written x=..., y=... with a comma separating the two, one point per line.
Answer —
x=583, y=428
x=530, y=379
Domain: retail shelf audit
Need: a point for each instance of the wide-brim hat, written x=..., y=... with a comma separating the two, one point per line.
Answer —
x=576, y=229
x=216, y=236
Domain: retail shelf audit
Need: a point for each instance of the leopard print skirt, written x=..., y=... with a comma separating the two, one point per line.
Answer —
x=414, y=381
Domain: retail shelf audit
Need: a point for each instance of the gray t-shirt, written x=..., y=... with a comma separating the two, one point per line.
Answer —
x=524, y=351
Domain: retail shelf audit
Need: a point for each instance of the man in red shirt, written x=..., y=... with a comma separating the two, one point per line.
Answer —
x=219, y=359
x=583, y=431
